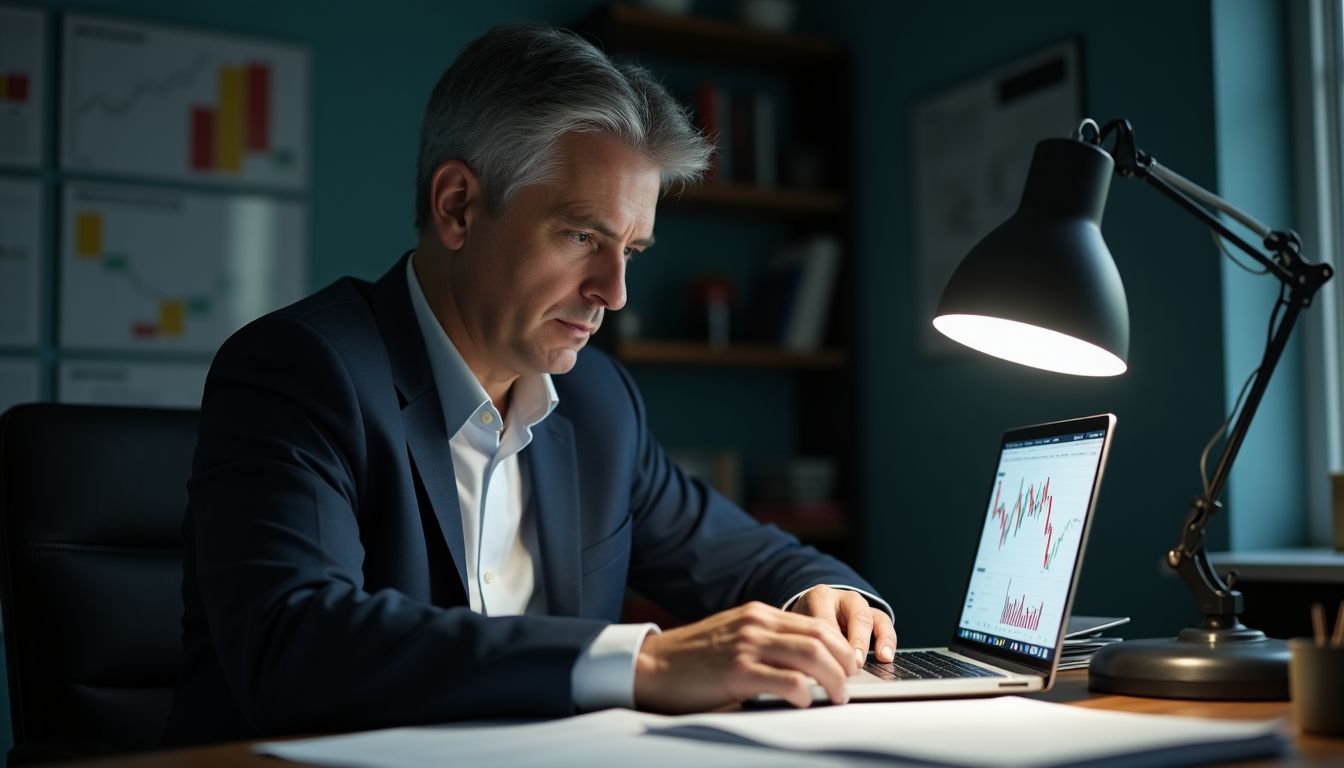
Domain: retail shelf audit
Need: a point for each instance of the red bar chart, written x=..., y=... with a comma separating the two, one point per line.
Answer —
x=14, y=87
x=237, y=122
x=1016, y=613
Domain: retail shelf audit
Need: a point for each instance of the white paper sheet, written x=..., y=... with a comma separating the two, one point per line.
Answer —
x=1007, y=731
x=616, y=737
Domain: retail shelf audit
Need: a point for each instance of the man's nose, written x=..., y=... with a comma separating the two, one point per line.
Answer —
x=606, y=286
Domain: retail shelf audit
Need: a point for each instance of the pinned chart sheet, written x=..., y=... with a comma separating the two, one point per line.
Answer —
x=184, y=105
x=157, y=269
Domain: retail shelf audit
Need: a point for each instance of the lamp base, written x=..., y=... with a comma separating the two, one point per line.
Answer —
x=1235, y=663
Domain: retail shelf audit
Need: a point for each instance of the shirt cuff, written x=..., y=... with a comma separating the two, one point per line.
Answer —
x=604, y=674
x=873, y=600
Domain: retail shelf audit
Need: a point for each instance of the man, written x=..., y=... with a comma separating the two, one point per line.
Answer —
x=418, y=500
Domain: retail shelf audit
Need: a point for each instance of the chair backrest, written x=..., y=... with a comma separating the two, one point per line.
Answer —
x=91, y=506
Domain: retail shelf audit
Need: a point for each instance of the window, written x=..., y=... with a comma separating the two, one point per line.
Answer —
x=1317, y=50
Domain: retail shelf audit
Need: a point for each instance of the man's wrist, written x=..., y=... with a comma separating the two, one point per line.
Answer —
x=604, y=674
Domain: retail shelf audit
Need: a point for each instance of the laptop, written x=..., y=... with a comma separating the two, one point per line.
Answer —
x=1036, y=518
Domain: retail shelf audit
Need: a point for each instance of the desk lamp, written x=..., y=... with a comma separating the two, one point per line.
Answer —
x=1043, y=290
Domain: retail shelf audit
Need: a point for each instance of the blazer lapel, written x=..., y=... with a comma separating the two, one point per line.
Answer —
x=554, y=501
x=421, y=411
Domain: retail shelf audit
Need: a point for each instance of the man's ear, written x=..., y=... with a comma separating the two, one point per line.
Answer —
x=455, y=198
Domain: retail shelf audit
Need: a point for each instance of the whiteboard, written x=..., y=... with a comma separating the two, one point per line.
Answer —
x=18, y=382
x=23, y=85
x=150, y=268
x=166, y=385
x=20, y=260
x=972, y=145
x=150, y=100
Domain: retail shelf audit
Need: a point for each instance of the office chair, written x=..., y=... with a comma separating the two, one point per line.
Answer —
x=91, y=507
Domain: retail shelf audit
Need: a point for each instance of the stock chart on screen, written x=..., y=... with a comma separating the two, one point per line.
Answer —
x=1031, y=537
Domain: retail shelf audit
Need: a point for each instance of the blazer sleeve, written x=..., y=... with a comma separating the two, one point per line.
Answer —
x=278, y=496
x=696, y=553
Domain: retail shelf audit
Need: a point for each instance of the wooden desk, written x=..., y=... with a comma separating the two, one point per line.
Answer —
x=1070, y=689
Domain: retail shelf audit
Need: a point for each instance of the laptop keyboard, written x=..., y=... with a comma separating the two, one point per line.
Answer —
x=926, y=665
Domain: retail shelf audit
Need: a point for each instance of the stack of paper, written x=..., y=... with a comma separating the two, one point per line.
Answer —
x=1083, y=638
x=1007, y=732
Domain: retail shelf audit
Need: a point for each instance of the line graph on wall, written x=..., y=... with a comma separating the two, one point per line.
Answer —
x=147, y=268
x=155, y=101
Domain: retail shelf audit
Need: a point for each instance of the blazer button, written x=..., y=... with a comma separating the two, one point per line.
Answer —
x=489, y=577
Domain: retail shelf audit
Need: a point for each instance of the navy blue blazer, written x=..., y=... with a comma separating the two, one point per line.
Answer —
x=324, y=580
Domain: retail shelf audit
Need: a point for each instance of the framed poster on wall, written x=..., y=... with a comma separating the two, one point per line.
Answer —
x=972, y=144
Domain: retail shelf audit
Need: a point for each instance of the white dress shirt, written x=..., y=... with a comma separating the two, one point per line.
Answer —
x=500, y=537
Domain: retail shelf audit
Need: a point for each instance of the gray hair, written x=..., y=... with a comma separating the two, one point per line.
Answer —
x=502, y=107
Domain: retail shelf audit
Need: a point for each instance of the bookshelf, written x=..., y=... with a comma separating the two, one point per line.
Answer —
x=678, y=352
x=632, y=29
x=744, y=198
x=810, y=79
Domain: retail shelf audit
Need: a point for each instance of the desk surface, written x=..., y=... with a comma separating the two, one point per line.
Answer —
x=1070, y=689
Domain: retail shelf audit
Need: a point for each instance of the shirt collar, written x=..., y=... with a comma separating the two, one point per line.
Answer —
x=460, y=393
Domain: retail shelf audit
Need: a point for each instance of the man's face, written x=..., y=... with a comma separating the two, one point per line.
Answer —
x=533, y=284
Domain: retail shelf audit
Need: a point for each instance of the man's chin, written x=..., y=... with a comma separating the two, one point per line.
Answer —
x=561, y=360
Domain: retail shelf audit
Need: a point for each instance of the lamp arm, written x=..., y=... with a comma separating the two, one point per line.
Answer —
x=1220, y=603
x=1206, y=197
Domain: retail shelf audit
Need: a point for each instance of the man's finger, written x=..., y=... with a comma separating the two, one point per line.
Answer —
x=884, y=635
x=857, y=617
x=790, y=685
x=811, y=657
x=824, y=628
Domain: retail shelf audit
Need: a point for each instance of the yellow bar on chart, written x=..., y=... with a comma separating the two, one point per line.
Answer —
x=172, y=317
x=231, y=119
x=89, y=236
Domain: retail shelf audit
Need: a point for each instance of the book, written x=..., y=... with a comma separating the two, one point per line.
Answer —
x=712, y=118
x=766, y=142
x=742, y=138
x=791, y=305
x=805, y=328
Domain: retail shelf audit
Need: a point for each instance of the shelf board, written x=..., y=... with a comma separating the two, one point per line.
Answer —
x=631, y=28
x=780, y=201
x=810, y=530
x=661, y=352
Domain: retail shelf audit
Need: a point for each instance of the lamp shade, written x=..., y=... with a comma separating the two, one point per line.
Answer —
x=1042, y=288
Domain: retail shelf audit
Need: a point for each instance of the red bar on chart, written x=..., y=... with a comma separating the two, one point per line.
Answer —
x=258, y=107
x=202, y=138
x=18, y=88
x=144, y=330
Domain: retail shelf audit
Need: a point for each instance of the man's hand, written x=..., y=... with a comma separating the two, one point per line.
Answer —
x=739, y=653
x=850, y=612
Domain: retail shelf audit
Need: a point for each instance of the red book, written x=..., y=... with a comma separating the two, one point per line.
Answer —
x=711, y=116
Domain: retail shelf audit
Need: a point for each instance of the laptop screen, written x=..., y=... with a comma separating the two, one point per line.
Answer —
x=1030, y=550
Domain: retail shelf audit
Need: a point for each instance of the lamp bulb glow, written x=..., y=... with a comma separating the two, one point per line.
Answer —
x=1030, y=345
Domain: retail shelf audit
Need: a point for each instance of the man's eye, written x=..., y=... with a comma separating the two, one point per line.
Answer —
x=631, y=253
x=582, y=238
